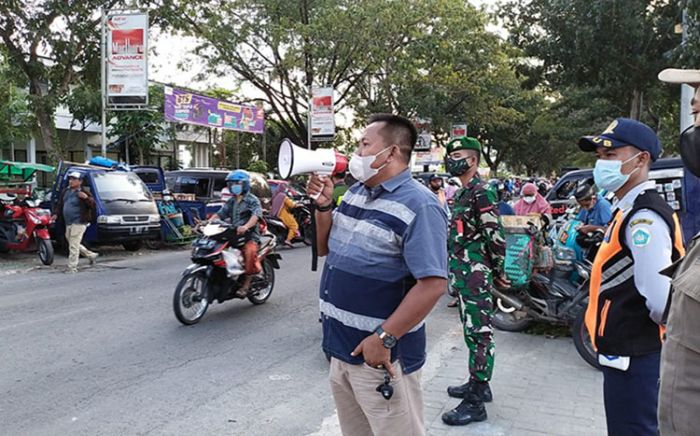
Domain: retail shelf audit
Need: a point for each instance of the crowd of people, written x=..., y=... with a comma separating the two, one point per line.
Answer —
x=387, y=266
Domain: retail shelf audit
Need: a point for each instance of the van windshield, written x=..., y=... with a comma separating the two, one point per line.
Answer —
x=121, y=186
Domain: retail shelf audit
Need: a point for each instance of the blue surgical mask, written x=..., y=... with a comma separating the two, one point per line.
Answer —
x=236, y=189
x=607, y=174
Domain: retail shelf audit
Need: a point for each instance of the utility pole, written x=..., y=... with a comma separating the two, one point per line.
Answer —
x=687, y=91
x=103, y=84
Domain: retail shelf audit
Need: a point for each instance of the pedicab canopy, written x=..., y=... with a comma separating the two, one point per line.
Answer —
x=15, y=177
x=20, y=172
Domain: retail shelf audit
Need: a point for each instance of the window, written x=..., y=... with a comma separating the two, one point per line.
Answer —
x=219, y=185
x=148, y=176
x=192, y=185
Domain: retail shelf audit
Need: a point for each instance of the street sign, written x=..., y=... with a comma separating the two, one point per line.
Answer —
x=322, y=114
x=424, y=142
x=458, y=130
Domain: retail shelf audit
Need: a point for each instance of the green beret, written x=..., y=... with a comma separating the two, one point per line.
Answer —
x=463, y=143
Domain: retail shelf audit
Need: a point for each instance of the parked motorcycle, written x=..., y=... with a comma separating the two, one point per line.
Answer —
x=558, y=296
x=302, y=214
x=25, y=227
x=216, y=272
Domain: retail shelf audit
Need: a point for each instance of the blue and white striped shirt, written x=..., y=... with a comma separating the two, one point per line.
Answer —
x=382, y=239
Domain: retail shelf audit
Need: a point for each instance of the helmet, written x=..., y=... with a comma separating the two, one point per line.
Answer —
x=435, y=177
x=238, y=176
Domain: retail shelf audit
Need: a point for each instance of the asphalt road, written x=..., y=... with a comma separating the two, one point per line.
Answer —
x=100, y=352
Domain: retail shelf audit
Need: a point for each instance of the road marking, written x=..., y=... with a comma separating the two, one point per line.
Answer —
x=48, y=318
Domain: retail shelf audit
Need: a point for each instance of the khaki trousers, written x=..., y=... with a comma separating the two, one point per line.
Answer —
x=74, y=235
x=362, y=411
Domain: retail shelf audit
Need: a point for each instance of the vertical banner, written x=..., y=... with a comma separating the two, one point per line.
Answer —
x=424, y=142
x=127, y=59
x=458, y=130
x=322, y=114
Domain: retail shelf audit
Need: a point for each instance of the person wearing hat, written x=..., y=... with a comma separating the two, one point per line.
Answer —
x=435, y=185
x=75, y=207
x=679, y=391
x=595, y=213
x=476, y=248
x=627, y=293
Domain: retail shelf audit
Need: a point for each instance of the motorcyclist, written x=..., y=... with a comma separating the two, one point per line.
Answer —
x=595, y=213
x=244, y=211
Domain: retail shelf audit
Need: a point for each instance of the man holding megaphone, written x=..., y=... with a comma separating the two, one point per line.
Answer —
x=386, y=267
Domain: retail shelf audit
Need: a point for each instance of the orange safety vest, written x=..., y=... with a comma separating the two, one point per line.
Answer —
x=617, y=318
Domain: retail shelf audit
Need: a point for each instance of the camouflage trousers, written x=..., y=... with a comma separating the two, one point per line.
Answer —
x=476, y=311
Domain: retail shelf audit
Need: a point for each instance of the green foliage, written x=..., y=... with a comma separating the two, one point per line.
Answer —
x=142, y=131
x=16, y=121
x=258, y=166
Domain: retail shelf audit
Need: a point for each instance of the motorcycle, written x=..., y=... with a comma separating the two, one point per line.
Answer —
x=302, y=214
x=25, y=227
x=558, y=296
x=216, y=272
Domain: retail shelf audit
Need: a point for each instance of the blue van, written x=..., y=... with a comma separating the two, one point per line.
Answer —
x=126, y=213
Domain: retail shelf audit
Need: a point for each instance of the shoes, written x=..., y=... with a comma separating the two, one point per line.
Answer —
x=453, y=303
x=466, y=412
x=71, y=270
x=92, y=259
x=483, y=391
x=288, y=244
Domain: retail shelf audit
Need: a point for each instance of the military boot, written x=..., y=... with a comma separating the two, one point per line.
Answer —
x=459, y=391
x=471, y=409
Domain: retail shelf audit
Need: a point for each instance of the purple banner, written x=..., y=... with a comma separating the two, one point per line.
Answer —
x=186, y=107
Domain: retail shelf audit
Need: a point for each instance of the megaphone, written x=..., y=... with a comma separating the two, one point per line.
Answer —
x=293, y=160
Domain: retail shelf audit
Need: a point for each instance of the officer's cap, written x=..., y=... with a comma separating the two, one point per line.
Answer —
x=622, y=132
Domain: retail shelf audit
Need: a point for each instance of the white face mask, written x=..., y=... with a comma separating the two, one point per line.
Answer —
x=529, y=200
x=361, y=166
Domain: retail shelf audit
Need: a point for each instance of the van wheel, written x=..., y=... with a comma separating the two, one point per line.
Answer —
x=132, y=245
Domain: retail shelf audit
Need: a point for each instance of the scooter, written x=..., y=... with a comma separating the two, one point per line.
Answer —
x=25, y=227
x=216, y=272
x=302, y=214
x=558, y=296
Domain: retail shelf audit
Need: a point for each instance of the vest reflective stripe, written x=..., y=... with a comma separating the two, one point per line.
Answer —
x=608, y=249
x=618, y=280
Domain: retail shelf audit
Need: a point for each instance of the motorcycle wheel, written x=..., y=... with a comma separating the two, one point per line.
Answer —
x=306, y=230
x=582, y=341
x=509, y=320
x=45, y=251
x=261, y=295
x=189, y=301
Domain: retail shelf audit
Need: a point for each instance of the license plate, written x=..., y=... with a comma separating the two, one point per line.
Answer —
x=137, y=230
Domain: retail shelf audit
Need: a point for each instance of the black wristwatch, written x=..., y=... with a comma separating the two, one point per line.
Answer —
x=388, y=340
x=325, y=208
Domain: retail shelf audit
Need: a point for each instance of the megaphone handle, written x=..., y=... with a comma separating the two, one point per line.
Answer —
x=323, y=178
x=314, y=248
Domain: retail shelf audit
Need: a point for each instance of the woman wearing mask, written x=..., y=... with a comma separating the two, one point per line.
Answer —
x=281, y=207
x=531, y=202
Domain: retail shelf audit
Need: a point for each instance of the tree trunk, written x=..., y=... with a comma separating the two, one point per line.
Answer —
x=635, y=106
x=47, y=130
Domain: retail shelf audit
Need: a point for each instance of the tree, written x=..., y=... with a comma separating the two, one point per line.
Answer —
x=616, y=47
x=16, y=121
x=50, y=42
x=139, y=132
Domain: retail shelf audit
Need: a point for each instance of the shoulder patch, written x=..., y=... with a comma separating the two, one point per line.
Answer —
x=641, y=237
x=641, y=221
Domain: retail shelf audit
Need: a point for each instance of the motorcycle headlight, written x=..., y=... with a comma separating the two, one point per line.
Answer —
x=564, y=254
x=34, y=219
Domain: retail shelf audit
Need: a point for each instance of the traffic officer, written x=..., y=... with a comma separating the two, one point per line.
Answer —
x=476, y=247
x=679, y=394
x=627, y=293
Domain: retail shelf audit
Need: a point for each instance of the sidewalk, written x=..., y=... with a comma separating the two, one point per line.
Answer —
x=540, y=386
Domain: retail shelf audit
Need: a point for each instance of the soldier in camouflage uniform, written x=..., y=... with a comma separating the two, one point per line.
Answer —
x=476, y=247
